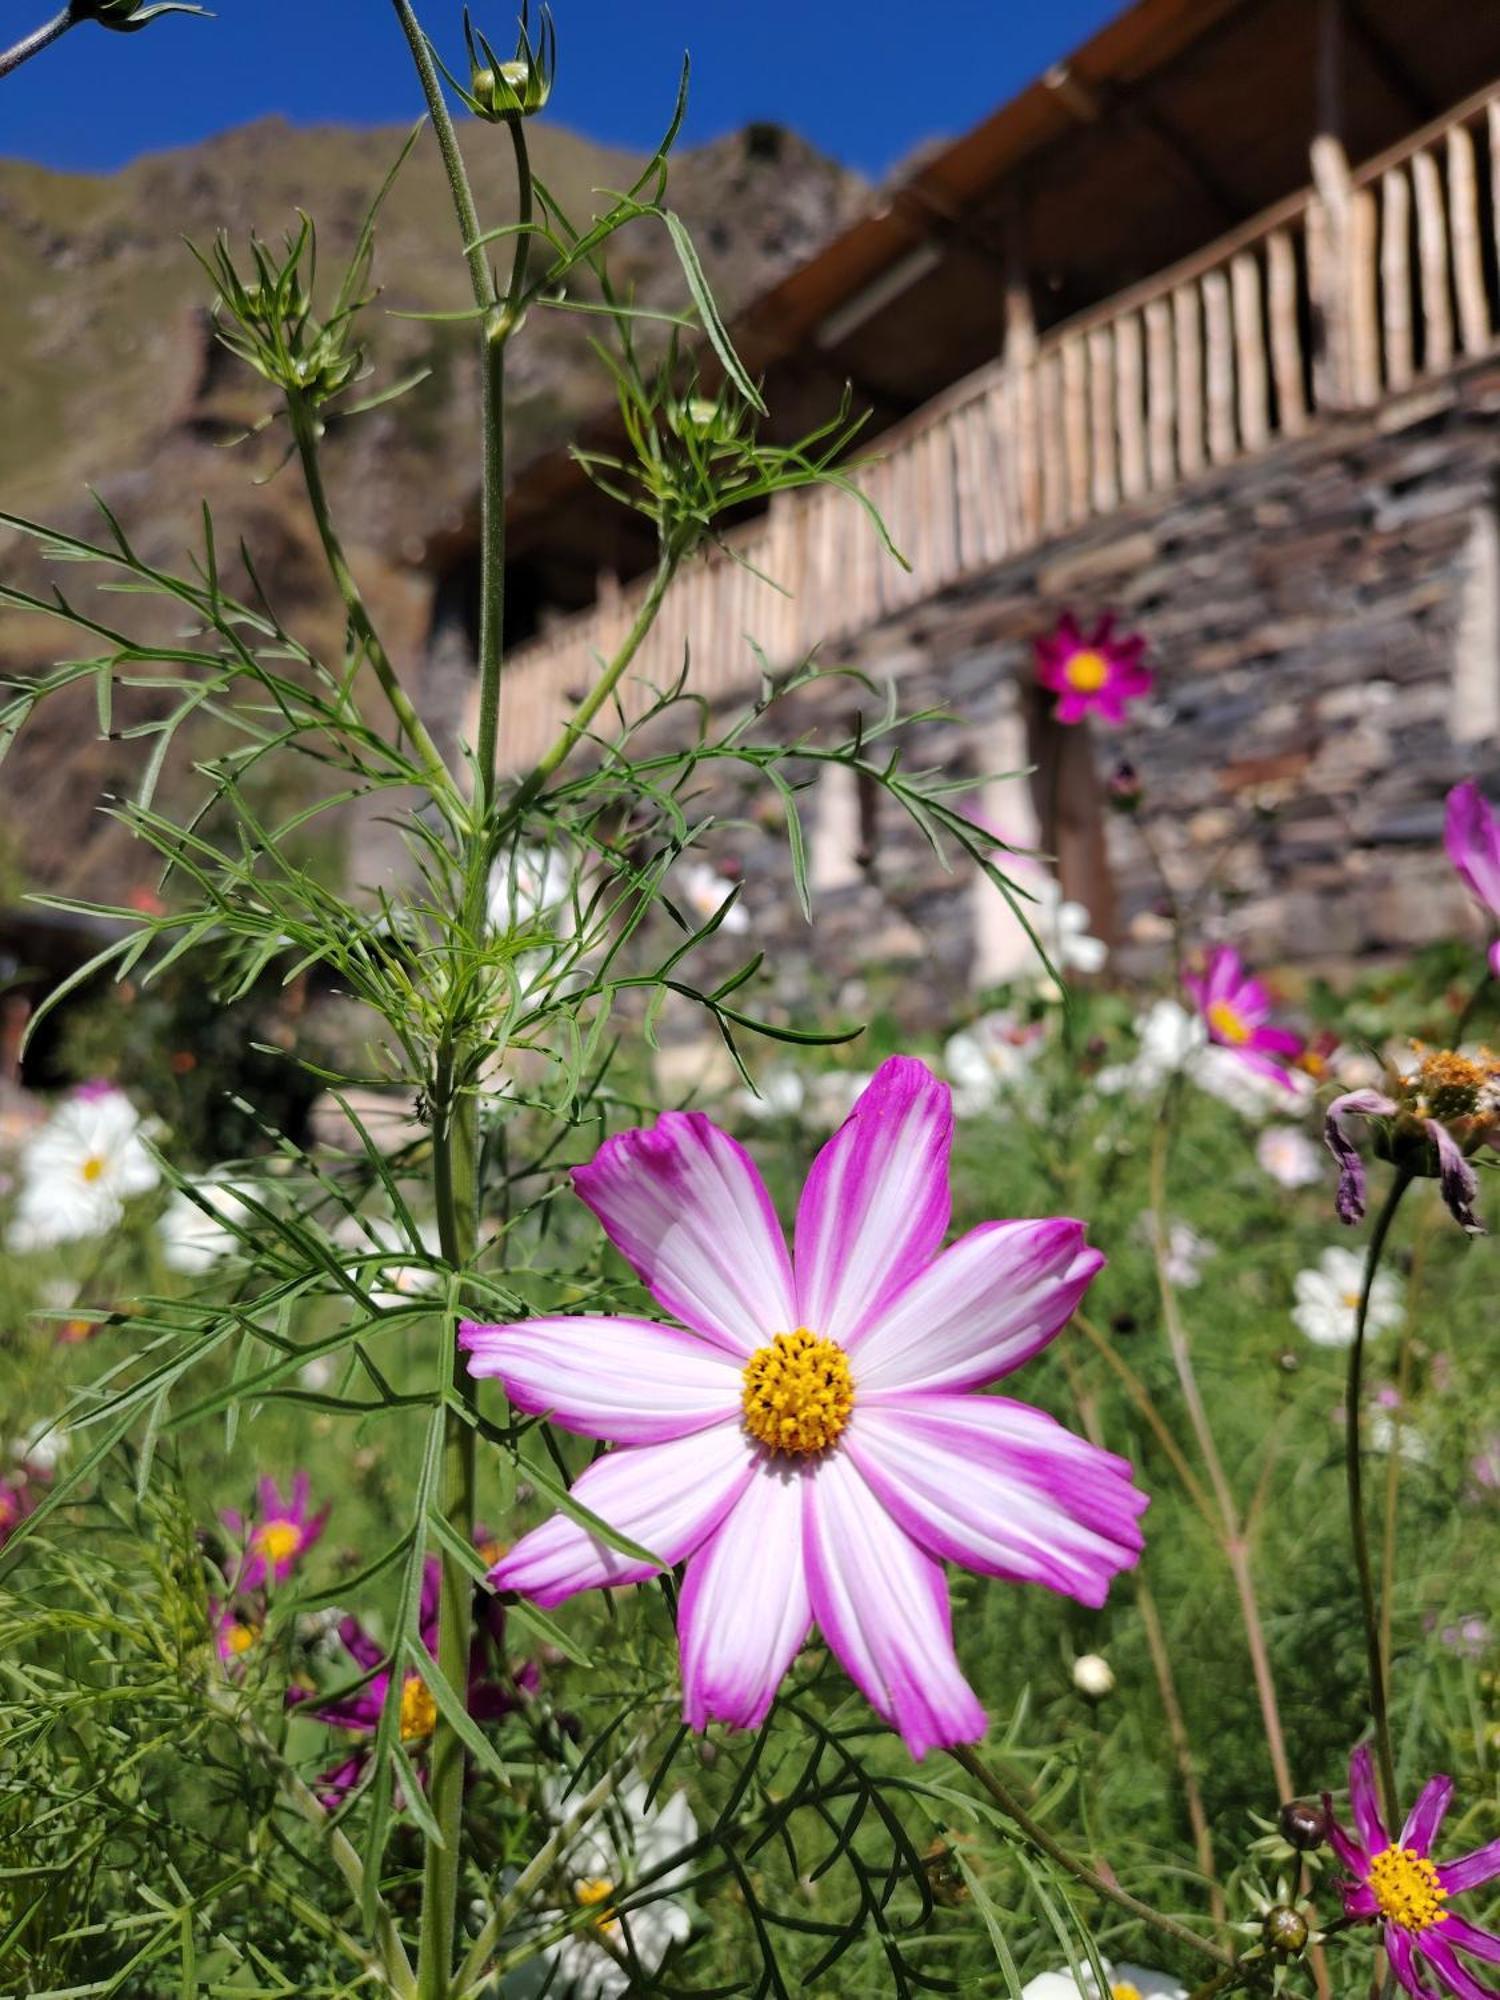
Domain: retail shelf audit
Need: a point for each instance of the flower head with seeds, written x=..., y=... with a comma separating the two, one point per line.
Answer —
x=1397, y=1884
x=1236, y=1011
x=806, y=1438
x=1471, y=834
x=1428, y=1120
x=1092, y=673
x=279, y=1536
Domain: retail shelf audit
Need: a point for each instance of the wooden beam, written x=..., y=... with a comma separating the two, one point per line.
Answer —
x=1387, y=65
x=1090, y=104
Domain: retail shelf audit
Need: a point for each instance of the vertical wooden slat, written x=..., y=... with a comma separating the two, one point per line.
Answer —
x=1189, y=331
x=1319, y=252
x=1432, y=259
x=1250, y=350
x=1160, y=407
x=1104, y=486
x=1285, y=323
x=1053, y=449
x=1075, y=416
x=1493, y=122
x=1468, y=261
x=1026, y=432
x=1395, y=278
x=1364, y=303
x=990, y=472
x=1130, y=405
x=1219, y=348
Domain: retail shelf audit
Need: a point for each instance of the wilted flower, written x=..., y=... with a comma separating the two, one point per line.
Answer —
x=809, y=1449
x=194, y=1237
x=630, y=1838
x=1236, y=1010
x=1094, y=672
x=991, y=1056
x=280, y=1535
x=80, y=1169
x=1328, y=1299
x=1397, y=1885
x=1471, y=834
x=1093, y=1676
x=1289, y=1156
x=1426, y=1121
x=706, y=891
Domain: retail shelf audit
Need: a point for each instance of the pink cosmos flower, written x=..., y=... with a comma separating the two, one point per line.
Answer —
x=283, y=1533
x=1471, y=834
x=809, y=1445
x=1236, y=1010
x=1092, y=672
x=1398, y=1885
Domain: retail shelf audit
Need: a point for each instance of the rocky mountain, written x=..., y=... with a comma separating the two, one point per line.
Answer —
x=112, y=379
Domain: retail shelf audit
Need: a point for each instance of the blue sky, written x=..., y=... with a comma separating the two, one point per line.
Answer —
x=864, y=79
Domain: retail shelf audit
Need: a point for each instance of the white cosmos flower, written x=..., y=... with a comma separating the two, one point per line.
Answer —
x=704, y=890
x=624, y=1841
x=1328, y=1299
x=192, y=1240
x=41, y=1448
x=529, y=886
x=991, y=1057
x=1290, y=1157
x=1063, y=927
x=1187, y=1251
x=80, y=1169
x=1172, y=1037
x=394, y=1281
x=1126, y=1982
x=779, y=1093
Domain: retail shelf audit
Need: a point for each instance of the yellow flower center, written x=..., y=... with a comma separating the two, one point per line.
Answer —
x=1227, y=1023
x=1448, y=1085
x=1087, y=671
x=92, y=1168
x=593, y=1893
x=1124, y=1989
x=1407, y=1888
x=798, y=1392
x=418, y=1709
x=278, y=1541
x=239, y=1639
x=1351, y=1300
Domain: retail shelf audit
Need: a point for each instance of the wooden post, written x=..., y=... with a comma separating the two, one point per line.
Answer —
x=1159, y=401
x=1284, y=321
x=1220, y=350
x=1130, y=405
x=1432, y=259
x=1364, y=308
x=1329, y=231
x=1189, y=329
x=1249, y=350
x=1053, y=446
x=1468, y=262
x=1105, y=488
x=1395, y=278
x=1075, y=414
x=1020, y=374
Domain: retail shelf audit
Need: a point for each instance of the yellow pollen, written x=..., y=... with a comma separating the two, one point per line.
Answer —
x=1087, y=671
x=593, y=1893
x=278, y=1541
x=418, y=1709
x=798, y=1392
x=1227, y=1024
x=1351, y=1300
x=1124, y=1989
x=239, y=1639
x=1407, y=1888
x=1448, y=1084
x=92, y=1168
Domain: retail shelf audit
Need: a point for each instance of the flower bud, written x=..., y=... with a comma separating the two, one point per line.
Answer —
x=513, y=89
x=1284, y=1930
x=126, y=16
x=1123, y=788
x=1093, y=1676
x=1302, y=1825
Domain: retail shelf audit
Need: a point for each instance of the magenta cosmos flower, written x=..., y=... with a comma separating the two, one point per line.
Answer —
x=1471, y=834
x=1094, y=672
x=283, y=1533
x=1236, y=1010
x=808, y=1445
x=1398, y=1884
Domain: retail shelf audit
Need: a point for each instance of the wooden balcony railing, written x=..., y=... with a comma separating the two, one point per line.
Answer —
x=1349, y=291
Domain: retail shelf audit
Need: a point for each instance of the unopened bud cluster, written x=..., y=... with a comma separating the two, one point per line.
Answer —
x=514, y=89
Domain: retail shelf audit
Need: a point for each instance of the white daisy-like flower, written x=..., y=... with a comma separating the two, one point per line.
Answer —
x=41, y=1449
x=1187, y=1251
x=1386, y=1430
x=1327, y=1298
x=990, y=1058
x=80, y=1169
x=397, y=1278
x=1063, y=927
x=1290, y=1157
x=705, y=890
x=1170, y=1038
x=1126, y=1982
x=779, y=1093
x=624, y=1841
x=193, y=1240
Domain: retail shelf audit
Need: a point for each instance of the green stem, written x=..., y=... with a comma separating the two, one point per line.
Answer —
x=39, y=39
x=1354, y=1476
x=1111, y=1891
x=305, y=437
x=480, y=276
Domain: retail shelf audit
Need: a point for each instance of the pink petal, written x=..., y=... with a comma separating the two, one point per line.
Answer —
x=876, y=1203
x=668, y=1497
x=1363, y=1802
x=1350, y=1199
x=1002, y=1489
x=986, y=1305
x=882, y=1605
x=1432, y=1944
x=625, y=1379
x=744, y=1609
x=1470, y=1938
x=1495, y=958
x=1353, y=1858
x=1471, y=834
x=686, y=1206
x=1471, y=1871
x=1426, y=1816
x=1401, y=1949
x=1457, y=1182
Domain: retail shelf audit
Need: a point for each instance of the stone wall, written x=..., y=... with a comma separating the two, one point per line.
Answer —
x=1325, y=625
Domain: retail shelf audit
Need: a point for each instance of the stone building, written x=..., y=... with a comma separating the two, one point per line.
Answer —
x=1202, y=328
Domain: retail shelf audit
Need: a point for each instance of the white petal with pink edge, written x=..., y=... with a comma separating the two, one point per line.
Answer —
x=1002, y=1489
x=882, y=1605
x=983, y=1307
x=744, y=1609
x=629, y=1380
x=686, y=1206
x=668, y=1497
x=876, y=1204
